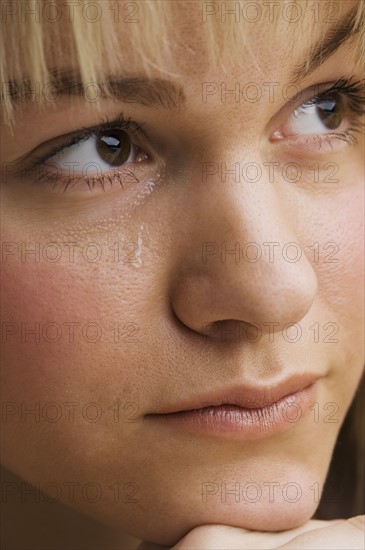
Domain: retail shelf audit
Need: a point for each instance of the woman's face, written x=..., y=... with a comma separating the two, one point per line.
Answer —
x=173, y=283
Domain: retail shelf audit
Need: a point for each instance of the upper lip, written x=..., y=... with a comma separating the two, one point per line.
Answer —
x=247, y=396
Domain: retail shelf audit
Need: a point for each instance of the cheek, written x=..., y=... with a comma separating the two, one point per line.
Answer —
x=343, y=288
x=335, y=243
x=72, y=332
x=334, y=235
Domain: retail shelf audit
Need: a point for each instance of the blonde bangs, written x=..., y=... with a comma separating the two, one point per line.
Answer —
x=34, y=38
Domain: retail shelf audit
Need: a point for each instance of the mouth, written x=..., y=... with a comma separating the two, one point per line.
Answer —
x=243, y=412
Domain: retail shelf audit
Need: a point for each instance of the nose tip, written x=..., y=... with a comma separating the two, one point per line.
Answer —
x=255, y=295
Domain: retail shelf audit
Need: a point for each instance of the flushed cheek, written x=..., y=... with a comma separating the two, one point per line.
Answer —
x=72, y=331
x=74, y=336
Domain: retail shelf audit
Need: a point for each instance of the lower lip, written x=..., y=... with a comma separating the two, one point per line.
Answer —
x=239, y=423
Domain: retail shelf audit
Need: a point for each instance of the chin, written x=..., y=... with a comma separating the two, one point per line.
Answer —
x=291, y=502
x=265, y=517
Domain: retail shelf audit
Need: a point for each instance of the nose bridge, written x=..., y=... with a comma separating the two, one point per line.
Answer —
x=237, y=184
x=245, y=259
x=242, y=205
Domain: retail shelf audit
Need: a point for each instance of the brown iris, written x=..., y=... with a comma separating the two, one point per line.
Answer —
x=331, y=111
x=113, y=146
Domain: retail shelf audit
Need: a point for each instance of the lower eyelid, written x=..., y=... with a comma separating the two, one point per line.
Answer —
x=57, y=181
x=312, y=144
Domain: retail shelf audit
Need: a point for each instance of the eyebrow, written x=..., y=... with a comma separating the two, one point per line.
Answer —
x=145, y=91
x=327, y=46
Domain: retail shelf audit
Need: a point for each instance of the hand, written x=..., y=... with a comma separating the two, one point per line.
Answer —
x=313, y=535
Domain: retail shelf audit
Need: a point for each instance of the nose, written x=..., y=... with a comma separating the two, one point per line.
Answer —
x=241, y=259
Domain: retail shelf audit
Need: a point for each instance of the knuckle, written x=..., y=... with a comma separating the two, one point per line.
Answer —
x=358, y=522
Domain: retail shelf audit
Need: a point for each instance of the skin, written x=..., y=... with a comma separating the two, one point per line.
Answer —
x=169, y=293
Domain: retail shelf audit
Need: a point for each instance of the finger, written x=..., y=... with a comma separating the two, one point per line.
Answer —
x=340, y=535
x=224, y=537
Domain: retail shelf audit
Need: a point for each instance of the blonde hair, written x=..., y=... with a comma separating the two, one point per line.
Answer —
x=33, y=35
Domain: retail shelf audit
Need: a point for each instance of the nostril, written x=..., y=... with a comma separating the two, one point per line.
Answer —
x=232, y=330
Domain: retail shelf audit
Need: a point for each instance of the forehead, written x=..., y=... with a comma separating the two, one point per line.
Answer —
x=180, y=35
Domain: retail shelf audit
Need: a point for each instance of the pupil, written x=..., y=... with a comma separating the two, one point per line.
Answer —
x=331, y=113
x=113, y=146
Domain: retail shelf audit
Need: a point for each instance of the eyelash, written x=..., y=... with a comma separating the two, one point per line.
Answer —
x=354, y=92
x=115, y=176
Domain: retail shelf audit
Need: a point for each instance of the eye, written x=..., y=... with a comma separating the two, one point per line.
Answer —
x=98, y=151
x=322, y=115
x=102, y=156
